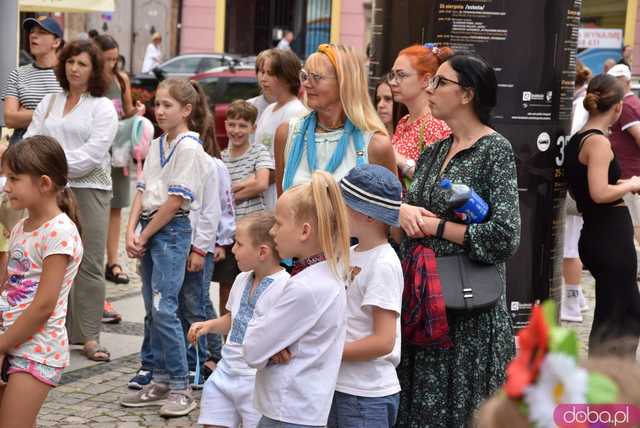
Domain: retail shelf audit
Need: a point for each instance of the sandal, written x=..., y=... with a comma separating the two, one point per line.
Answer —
x=117, y=277
x=93, y=353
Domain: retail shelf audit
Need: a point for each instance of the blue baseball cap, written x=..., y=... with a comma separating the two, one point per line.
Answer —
x=374, y=191
x=46, y=23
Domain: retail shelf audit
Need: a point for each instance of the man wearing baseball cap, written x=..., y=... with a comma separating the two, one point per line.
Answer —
x=27, y=85
x=625, y=140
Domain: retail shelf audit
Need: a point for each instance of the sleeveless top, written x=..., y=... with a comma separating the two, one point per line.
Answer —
x=114, y=93
x=577, y=177
x=326, y=143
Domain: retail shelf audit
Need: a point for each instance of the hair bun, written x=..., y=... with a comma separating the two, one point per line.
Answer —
x=443, y=54
x=591, y=101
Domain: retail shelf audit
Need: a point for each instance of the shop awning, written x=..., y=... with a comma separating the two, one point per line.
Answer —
x=67, y=5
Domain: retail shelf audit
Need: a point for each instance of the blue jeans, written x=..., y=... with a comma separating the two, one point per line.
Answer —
x=363, y=412
x=213, y=341
x=163, y=267
x=192, y=309
x=266, y=422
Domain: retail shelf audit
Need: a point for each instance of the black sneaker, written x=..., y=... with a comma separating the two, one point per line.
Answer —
x=141, y=379
x=192, y=381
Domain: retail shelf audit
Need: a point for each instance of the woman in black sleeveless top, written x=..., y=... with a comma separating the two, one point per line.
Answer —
x=606, y=242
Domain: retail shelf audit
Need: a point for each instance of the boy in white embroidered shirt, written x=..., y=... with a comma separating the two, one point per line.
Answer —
x=227, y=399
x=368, y=391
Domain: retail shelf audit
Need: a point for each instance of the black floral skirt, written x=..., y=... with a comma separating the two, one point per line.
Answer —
x=443, y=387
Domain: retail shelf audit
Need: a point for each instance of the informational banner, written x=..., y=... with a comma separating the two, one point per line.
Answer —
x=532, y=46
x=78, y=6
x=600, y=38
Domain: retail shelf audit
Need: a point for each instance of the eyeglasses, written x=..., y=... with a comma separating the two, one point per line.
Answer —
x=398, y=75
x=437, y=80
x=315, y=78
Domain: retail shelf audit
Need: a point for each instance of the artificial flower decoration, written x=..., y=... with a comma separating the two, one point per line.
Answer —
x=534, y=342
x=561, y=381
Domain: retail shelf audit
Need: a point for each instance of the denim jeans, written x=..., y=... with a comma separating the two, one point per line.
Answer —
x=213, y=341
x=266, y=422
x=192, y=308
x=163, y=268
x=363, y=412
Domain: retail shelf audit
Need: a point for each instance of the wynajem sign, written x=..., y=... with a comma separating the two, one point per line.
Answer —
x=599, y=38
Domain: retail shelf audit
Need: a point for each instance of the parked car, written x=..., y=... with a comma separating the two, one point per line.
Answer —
x=185, y=66
x=223, y=85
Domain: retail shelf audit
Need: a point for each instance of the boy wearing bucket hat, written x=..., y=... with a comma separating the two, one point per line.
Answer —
x=367, y=391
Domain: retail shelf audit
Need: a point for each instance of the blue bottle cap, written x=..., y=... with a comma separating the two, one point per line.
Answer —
x=445, y=183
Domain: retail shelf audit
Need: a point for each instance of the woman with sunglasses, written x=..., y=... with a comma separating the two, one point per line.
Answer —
x=408, y=79
x=444, y=381
x=341, y=131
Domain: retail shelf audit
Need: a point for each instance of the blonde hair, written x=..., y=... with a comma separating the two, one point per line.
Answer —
x=258, y=225
x=352, y=82
x=321, y=201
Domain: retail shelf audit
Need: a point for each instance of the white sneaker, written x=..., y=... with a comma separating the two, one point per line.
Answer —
x=570, y=306
x=584, y=306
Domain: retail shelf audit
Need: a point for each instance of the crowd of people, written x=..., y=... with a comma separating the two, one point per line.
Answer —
x=323, y=221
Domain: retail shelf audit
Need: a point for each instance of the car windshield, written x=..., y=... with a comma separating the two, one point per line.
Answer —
x=240, y=89
x=210, y=62
x=182, y=65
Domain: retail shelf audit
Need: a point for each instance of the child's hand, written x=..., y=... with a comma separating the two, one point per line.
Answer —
x=219, y=254
x=140, y=108
x=197, y=329
x=282, y=357
x=133, y=247
x=195, y=263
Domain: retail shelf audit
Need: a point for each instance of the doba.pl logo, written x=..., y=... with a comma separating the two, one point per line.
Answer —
x=596, y=415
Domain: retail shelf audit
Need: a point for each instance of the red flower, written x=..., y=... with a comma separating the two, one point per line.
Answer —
x=534, y=343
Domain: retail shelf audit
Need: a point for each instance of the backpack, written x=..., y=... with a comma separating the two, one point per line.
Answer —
x=132, y=141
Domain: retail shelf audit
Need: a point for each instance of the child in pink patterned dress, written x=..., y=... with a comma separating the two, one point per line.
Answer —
x=44, y=255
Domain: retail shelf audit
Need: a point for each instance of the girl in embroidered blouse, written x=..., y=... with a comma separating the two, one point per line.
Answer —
x=44, y=257
x=342, y=130
x=171, y=186
x=408, y=79
x=306, y=328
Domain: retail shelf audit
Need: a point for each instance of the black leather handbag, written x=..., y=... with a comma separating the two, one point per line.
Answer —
x=468, y=285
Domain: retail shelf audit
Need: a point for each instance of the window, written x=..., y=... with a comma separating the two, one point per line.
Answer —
x=210, y=62
x=209, y=87
x=187, y=65
x=240, y=89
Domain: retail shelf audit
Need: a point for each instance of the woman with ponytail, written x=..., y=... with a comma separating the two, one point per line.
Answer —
x=342, y=130
x=85, y=123
x=408, y=80
x=306, y=328
x=44, y=256
x=606, y=244
x=171, y=187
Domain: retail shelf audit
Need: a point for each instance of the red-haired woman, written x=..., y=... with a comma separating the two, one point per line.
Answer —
x=408, y=79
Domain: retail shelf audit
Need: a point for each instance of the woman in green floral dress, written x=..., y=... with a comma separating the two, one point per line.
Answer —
x=441, y=387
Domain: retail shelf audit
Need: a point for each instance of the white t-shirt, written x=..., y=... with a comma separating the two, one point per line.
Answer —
x=242, y=308
x=152, y=58
x=377, y=281
x=266, y=133
x=308, y=319
x=261, y=103
x=284, y=44
x=27, y=252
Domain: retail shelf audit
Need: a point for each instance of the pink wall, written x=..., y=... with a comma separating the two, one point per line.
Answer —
x=198, y=26
x=352, y=25
x=635, y=66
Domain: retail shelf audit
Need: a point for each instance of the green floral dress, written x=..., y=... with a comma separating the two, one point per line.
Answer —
x=443, y=387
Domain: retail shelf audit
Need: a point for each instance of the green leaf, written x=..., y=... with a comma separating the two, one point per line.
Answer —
x=601, y=389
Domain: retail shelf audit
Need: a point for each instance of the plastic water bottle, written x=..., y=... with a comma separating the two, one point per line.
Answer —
x=463, y=200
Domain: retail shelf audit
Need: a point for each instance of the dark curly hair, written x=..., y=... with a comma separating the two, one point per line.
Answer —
x=97, y=82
